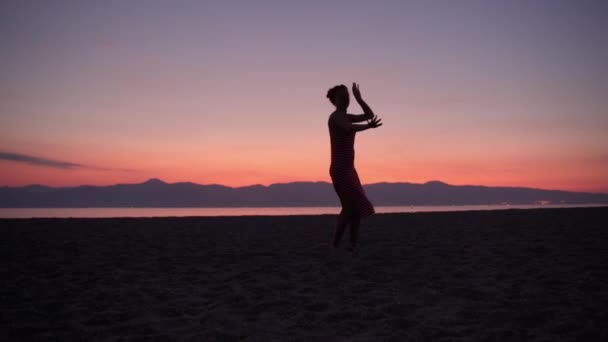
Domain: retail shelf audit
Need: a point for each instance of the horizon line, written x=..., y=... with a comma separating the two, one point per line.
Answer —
x=158, y=180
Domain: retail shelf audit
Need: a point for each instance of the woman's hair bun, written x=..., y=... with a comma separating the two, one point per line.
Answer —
x=331, y=93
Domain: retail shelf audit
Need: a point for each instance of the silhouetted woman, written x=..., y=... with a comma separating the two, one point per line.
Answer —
x=342, y=130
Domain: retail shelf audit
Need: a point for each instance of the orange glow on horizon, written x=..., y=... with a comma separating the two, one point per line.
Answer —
x=247, y=172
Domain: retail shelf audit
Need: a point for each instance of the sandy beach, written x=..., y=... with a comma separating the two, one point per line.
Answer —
x=509, y=275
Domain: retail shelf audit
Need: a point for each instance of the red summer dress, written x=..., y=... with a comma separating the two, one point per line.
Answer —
x=343, y=174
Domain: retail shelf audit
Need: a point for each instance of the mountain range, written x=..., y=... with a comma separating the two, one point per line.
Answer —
x=156, y=193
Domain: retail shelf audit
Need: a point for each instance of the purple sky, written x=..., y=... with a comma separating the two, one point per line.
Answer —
x=484, y=92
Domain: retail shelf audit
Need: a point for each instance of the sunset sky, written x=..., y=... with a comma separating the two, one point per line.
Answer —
x=233, y=92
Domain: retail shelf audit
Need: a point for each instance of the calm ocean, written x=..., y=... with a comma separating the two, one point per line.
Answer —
x=165, y=212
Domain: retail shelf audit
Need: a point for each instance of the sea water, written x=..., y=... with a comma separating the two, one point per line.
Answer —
x=250, y=211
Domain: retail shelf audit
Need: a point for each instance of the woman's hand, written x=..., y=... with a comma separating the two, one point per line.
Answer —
x=369, y=115
x=375, y=122
x=356, y=92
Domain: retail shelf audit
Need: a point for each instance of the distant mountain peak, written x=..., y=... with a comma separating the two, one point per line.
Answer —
x=154, y=181
x=435, y=182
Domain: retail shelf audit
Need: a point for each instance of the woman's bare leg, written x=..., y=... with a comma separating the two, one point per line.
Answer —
x=340, y=227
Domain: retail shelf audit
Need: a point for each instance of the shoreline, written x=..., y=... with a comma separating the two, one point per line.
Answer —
x=121, y=212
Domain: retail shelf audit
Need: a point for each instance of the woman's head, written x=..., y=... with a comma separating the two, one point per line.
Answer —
x=338, y=95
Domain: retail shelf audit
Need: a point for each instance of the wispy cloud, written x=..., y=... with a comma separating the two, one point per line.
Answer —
x=59, y=164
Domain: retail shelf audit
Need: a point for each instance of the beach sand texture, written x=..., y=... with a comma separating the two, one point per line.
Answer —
x=509, y=275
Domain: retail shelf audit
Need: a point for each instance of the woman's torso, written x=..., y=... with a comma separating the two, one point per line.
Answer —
x=342, y=147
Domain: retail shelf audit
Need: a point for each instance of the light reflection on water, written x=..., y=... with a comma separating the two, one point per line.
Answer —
x=279, y=211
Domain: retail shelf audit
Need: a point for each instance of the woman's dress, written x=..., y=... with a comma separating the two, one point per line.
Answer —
x=343, y=174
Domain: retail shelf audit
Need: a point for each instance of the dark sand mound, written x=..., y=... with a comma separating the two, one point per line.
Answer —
x=521, y=275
